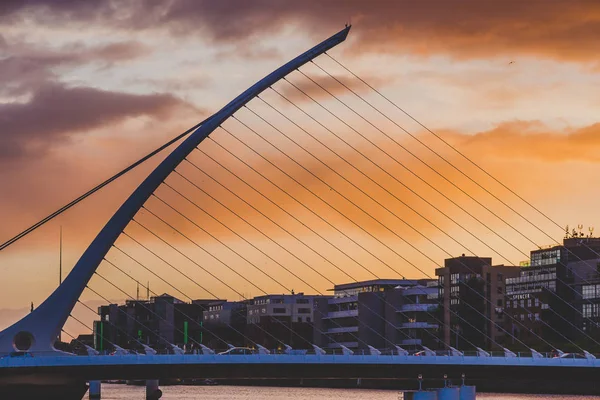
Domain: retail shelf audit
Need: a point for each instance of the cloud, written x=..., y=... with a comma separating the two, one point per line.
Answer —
x=321, y=85
x=461, y=28
x=55, y=112
x=532, y=140
x=24, y=66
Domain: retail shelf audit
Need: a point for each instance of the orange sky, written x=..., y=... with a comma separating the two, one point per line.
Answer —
x=90, y=87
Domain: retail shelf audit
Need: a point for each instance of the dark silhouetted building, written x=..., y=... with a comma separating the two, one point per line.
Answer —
x=472, y=295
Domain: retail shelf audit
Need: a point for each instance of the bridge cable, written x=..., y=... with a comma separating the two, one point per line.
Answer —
x=291, y=215
x=184, y=294
x=191, y=319
x=395, y=160
x=275, y=184
x=353, y=202
x=85, y=325
x=410, y=152
x=317, y=197
x=98, y=187
x=390, y=175
x=448, y=145
x=354, y=111
x=455, y=150
x=127, y=334
x=398, y=162
x=248, y=261
x=245, y=220
x=205, y=270
x=355, y=168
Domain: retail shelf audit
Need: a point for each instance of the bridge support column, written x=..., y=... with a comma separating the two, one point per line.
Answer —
x=95, y=390
x=448, y=393
x=152, y=390
x=468, y=393
x=421, y=395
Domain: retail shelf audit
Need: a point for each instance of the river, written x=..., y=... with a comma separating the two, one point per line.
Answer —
x=122, y=392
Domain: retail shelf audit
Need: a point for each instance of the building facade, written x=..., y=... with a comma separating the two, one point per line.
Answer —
x=381, y=313
x=273, y=320
x=157, y=322
x=472, y=300
x=555, y=296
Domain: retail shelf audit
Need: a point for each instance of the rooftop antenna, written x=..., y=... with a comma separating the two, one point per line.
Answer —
x=567, y=232
x=591, y=229
x=138, y=291
x=148, y=291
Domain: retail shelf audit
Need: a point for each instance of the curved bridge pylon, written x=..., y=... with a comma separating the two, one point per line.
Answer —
x=38, y=331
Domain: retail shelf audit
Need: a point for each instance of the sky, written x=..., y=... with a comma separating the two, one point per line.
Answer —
x=89, y=87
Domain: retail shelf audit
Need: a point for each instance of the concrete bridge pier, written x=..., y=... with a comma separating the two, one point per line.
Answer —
x=153, y=392
x=95, y=390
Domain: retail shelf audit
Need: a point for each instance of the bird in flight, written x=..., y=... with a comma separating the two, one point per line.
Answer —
x=512, y=62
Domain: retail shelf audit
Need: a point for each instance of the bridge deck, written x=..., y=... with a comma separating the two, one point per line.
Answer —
x=191, y=359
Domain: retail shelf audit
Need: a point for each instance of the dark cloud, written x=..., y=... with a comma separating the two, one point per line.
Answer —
x=55, y=112
x=320, y=86
x=25, y=67
x=461, y=28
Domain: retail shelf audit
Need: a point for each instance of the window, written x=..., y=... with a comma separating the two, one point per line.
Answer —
x=307, y=319
x=299, y=319
x=454, y=279
x=522, y=317
x=537, y=302
x=591, y=310
x=546, y=257
x=301, y=301
x=537, y=316
x=528, y=303
x=279, y=311
x=304, y=311
x=590, y=291
x=277, y=301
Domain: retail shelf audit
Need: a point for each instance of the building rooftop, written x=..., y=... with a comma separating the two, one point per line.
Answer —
x=377, y=282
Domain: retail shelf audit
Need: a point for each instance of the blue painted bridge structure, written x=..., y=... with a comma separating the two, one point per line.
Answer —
x=513, y=374
x=54, y=374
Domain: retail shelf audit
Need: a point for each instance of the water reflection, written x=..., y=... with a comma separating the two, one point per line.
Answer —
x=123, y=392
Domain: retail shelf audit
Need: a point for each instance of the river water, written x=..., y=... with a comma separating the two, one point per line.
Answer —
x=122, y=392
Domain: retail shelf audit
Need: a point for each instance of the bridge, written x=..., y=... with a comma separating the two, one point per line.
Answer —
x=64, y=375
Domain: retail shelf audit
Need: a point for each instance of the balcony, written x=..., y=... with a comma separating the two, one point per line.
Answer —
x=411, y=342
x=345, y=299
x=418, y=325
x=420, y=291
x=418, y=307
x=344, y=329
x=350, y=345
x=342, y=314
